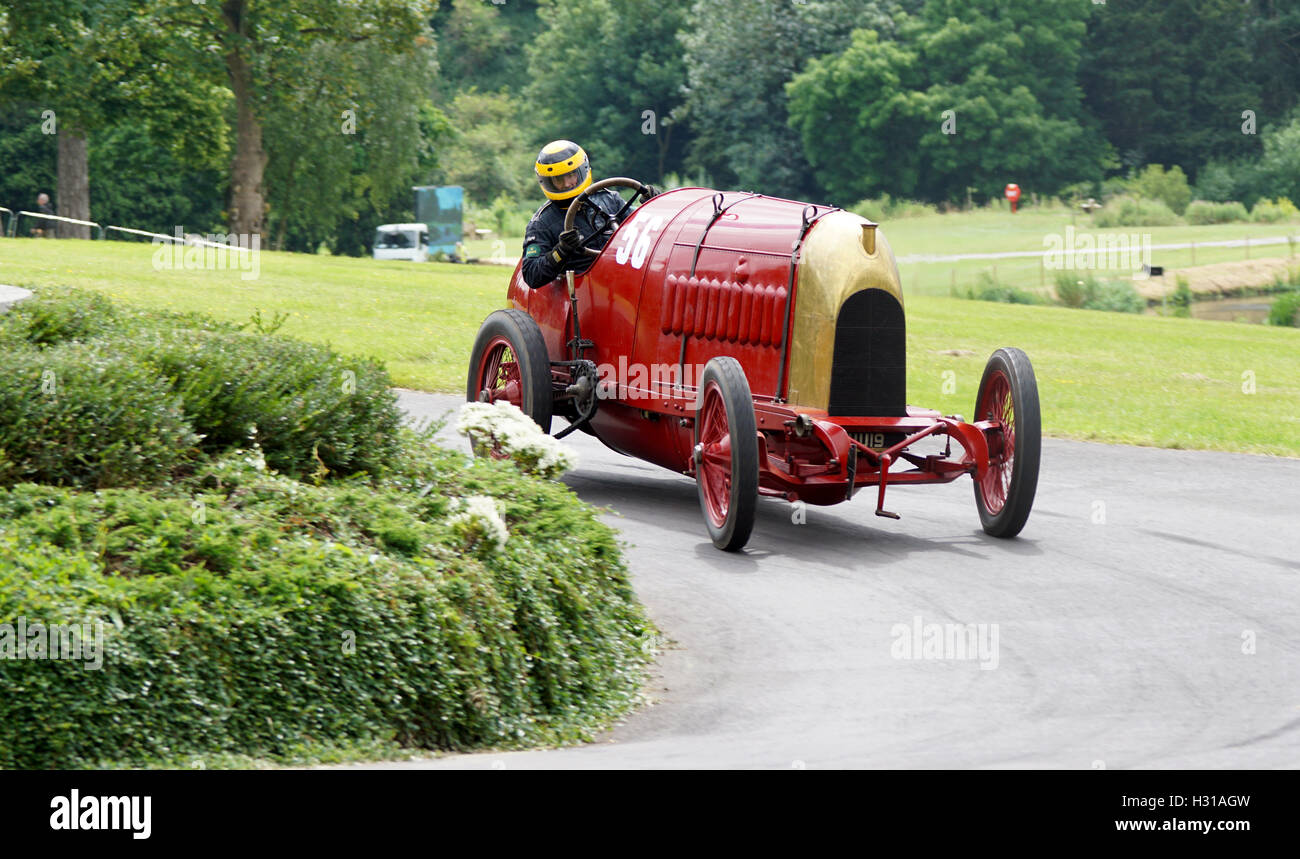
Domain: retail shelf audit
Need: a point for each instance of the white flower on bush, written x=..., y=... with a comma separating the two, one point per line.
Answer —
x=480, y=522
x=501, y=428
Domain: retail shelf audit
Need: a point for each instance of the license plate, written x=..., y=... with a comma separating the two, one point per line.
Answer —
x=876, y=440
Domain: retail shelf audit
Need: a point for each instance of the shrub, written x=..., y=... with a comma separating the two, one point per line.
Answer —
x=1072, y=291
x=311, y=410
x=1217, y=183
x=1168, y=186
x=289, y=616
x=1134, y=212
x=1268, y=211
x=1093, y=293
x=1182, y=297
x=1285, y=310
x=87, y=416
x=1116, y=296
x=51, y=317
x=988, y=288
x=1205, y=212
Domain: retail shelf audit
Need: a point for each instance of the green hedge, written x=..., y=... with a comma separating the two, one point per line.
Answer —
x=312, y=411
x=247, y=613
x=272, y=559
x=83, y=416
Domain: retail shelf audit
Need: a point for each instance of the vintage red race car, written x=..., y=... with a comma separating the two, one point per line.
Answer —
x=758, y=345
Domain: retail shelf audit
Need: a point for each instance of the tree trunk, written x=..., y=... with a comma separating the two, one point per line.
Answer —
x=247, y=206
x=73, y=191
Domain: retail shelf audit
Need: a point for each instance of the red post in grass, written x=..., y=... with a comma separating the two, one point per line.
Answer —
x=1013, y=194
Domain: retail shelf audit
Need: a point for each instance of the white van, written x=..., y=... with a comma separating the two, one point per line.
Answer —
x=402, y=241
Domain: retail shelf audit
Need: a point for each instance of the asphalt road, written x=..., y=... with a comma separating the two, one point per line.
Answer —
x=1148, y=616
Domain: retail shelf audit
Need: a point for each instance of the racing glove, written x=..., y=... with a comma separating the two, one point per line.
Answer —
x=568, y=246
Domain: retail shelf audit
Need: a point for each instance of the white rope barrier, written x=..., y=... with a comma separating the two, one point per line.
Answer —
x=185, y=240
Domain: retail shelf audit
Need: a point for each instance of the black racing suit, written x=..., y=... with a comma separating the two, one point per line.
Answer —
x=540, y=265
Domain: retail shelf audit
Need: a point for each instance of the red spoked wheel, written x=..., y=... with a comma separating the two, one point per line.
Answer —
x=726, y=454
x=509, y=362
x=499, y=374
x=1008, y=399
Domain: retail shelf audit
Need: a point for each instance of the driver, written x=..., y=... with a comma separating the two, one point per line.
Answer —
x=564, y=172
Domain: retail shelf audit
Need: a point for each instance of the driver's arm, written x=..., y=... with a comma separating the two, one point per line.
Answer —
x=543, y=260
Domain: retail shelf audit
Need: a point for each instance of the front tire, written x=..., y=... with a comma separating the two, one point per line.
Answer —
x=726, y=454
x=509, y=362
x=1008, y=395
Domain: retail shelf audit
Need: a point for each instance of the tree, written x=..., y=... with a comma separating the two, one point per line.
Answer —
x=348, y=137
x=1273, y=37
x=971, y=94
x=482, y=44
x=1169, y=80
x=739, y=56
x=1280, y=166
x=90, y=63
x=265, y=49
x=489, y=152
x=610, y=74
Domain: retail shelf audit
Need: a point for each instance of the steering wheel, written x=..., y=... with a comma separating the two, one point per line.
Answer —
x=642, y=190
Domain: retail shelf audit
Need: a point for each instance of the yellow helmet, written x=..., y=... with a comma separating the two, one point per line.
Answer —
x=563, y=170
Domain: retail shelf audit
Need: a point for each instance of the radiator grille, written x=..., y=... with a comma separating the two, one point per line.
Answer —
x=869, y=369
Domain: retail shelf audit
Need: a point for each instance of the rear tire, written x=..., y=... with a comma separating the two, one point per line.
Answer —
x=1009, y=393
x=726, y=454
x=509, y=362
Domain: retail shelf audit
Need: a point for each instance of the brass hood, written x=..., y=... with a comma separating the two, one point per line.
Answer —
x=844, y=254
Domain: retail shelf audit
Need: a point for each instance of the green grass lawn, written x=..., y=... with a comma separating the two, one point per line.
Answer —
x=419, y=318
x=991, y=231
x=1104, y=376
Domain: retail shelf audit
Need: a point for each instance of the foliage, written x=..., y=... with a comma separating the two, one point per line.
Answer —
x=1093, y=293
x=1285, y=310
x=987, y=288
x=333, y=167
x=1200, y=52
x=594, y=71
x=1181, y=299
x=1134, y=212
x=490, y=153
x=246, y=613
x=885, y=208
x=87, y=416
x=477, y=45
x=1280, y=165
x=95, y=62
x=1205, y=212
x=969, y=95
x=739, y=56
x=1116, y=296
x=1169, y=187
x=1268, y=211
x=96, y=396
